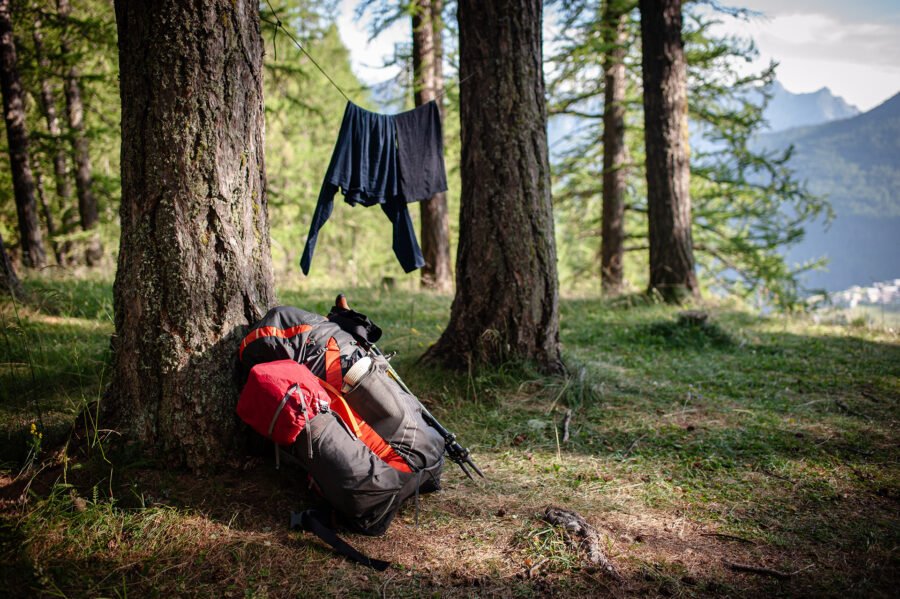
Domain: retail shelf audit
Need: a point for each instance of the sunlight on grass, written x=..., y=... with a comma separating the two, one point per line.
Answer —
x=765, y=440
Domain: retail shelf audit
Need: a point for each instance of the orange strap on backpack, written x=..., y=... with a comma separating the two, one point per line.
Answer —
x=364, y=432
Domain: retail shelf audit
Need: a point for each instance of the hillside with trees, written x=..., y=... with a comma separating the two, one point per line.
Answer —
x=853, y=164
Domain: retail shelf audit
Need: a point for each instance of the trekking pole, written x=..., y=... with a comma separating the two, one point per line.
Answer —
x=456, y=452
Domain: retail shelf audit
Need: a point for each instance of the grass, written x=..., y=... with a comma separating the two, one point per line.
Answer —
x=768, y=441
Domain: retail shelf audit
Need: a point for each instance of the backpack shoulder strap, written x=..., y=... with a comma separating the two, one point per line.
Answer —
x=314, y=521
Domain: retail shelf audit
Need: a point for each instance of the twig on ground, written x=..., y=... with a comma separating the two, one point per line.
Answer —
x=566, y=421
x=848, y=410
x=534, y=569
x=590, y=538
x=758, y=570
x=387, y=580
x=633, y=445
x=870, y=396
x=775, y=475
x=679, y=412
x=722, y=535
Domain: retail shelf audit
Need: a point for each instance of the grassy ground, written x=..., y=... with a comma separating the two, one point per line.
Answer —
x=770, y=442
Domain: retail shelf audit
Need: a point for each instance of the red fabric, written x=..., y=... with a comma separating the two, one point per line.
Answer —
x=266, y=387
x=269, y=382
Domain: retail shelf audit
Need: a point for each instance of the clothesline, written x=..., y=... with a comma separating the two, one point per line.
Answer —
x=279, y=25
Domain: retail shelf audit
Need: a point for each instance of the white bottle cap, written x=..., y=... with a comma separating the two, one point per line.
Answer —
x=357, y=371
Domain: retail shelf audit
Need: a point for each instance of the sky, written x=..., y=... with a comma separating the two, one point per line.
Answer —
x=851, y=47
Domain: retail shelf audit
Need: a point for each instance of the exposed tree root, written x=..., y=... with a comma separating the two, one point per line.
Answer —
x=590, y=540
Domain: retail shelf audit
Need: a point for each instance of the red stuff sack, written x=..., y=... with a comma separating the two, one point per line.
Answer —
x=280, y=398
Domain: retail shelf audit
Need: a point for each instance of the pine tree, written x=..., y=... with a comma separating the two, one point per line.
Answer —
x=666, y=137
x=194, y=264
x=87, y=202
x=507, y=299
x=60, y=165
x=427, y=26
x=9, y=282
x=31, y=238
x=615, y=152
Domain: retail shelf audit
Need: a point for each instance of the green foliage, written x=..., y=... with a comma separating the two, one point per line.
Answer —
x=747, y=204
x=90, y=34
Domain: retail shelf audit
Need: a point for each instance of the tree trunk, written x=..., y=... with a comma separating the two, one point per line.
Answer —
x=194, y=262
x=87, y=202
x=615, y=153
x=9, y=282
x=45, y=209
x=507, y=299
x=668, y=153
x=60, y=164
x=17, y=137
x=428, y=84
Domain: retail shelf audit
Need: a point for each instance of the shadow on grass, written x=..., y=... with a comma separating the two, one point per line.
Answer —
x=737, y=430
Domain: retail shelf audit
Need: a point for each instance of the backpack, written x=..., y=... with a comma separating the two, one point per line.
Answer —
x=361, y=437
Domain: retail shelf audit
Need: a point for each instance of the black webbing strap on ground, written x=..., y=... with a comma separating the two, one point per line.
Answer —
x=314, y=521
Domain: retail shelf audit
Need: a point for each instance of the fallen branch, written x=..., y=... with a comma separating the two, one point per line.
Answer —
x=566, y=421
x=757, y=570
x=590, y=538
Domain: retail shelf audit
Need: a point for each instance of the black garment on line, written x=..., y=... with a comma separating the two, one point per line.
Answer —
x=389, y=160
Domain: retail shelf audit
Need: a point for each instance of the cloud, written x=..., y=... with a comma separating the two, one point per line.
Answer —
x=857, y=60
x=859, y=11
x=368, y=58
x=822, y=37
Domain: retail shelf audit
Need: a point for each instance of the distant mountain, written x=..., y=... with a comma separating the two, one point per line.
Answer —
x=787, y=110
x=855, y=163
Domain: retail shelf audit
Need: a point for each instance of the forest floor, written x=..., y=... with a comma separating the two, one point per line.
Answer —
x=764, y=441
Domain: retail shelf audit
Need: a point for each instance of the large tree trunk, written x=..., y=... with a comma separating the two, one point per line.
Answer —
x=194, y=261
x=429, y=84
x=87, y=202
x=17, y=137
x=615, y=154
x=9, y=282
x=60, y=167
x=507, y=299
x=668, y=153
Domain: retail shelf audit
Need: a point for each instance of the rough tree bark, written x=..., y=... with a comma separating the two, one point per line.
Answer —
x=9, y=282
x=31, y=239
x=87, y=202
x=194, y=262
x=668, y=153
x=615, y=153
x=60, y=165
x=427, y=27
x=507, y=299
